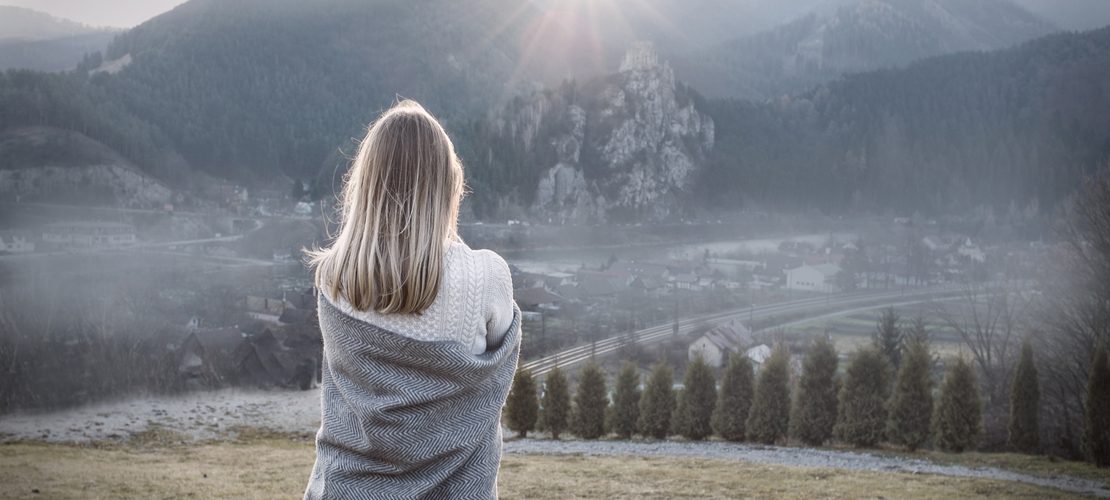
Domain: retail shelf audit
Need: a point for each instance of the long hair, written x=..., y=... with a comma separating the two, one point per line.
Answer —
x=399, y=208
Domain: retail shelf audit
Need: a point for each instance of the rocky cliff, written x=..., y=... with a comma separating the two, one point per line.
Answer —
x=627, y=146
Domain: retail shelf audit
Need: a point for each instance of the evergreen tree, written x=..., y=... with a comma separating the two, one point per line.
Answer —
x=522, y=407
x=556, y=402
x=1025, y=400
x=1096, y=435
x=657, y=403
x=735, y=400
x=911, y=403
x=887, y=337
x=958, y=418
x=862, y=417
x=699, y=398
x=814, y=413
x=626, y=401
x=769, y=418
x=590, y=403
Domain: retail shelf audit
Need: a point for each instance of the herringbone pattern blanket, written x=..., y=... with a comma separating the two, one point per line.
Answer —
x=404, y=418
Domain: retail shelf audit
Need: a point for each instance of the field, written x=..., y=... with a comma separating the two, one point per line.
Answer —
x=273, y=466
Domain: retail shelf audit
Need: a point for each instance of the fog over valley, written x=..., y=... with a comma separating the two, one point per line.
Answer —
x=770, y=225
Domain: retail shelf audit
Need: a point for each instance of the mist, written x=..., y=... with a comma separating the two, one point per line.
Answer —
x=865, y=205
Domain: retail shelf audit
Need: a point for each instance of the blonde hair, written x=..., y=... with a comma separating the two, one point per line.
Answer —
x=399, y=208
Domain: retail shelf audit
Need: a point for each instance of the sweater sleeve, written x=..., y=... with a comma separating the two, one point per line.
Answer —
x=499, y=298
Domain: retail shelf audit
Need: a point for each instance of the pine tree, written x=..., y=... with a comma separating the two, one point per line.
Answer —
x=862, y=418
x=657, y=403
x=556, y=402
x=887, y=337
x=699, y=398
x=769, y=418
x=522, y=407
x=814, y=413
x=911, y=403
x=958, y=418
x=626, y=402
x=590, y=403
x=1025, y=400
x=1096, y=432
x=735, y=400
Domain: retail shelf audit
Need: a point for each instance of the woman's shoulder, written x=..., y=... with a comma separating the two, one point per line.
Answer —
x=486, y=261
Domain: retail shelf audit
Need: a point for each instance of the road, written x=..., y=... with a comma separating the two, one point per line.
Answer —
x=831, y=305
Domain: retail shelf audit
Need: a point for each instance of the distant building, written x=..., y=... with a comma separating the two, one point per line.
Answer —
x=16, y=242
x=819, y=278
x=758, y=355
x=719, y=343
x=89, y=234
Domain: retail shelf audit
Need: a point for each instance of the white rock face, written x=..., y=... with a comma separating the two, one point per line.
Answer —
x=626, y=146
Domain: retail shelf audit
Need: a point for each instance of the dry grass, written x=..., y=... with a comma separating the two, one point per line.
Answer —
x=160, y=466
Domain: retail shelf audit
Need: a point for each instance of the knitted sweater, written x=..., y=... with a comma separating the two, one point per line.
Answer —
x=404, y=418
x=474, y=304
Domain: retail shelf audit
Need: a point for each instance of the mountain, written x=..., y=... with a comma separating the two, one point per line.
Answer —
x=18, y=23
x=34, y=40
x=55, y=54
x=1013, y=128
x=625, y=146
x=856, y=35
x=1071, y=14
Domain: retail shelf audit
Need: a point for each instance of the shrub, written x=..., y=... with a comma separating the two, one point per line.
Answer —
x=522, y=407
x=814, y=413
x=769, y=418
x=735, y=400
x=862, y=418
x=958, y=418
x=657, y=403
x=556, y=402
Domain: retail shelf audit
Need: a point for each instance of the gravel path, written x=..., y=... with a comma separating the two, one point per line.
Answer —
x=796, y=457
x=215, y=414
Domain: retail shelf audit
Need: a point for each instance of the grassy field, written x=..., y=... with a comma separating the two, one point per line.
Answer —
x=277, y=467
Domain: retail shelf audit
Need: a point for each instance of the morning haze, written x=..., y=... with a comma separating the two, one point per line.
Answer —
x=741, y=236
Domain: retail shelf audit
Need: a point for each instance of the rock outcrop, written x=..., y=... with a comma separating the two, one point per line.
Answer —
x=626, y=146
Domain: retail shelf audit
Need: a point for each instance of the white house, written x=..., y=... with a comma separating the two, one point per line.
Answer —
x=15, y=242
x=720, y=342
x=758, y=355
x=818, y=278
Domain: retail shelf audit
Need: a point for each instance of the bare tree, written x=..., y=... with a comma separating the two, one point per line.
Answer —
x=990, y=320
x=1074, y=310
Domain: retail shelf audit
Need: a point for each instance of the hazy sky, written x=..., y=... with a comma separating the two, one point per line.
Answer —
x=114, y=13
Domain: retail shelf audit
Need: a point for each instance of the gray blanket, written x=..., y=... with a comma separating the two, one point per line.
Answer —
x=403, y=418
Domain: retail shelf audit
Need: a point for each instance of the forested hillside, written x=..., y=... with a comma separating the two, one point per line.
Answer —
x=1018, y=126
x=855, y=35
x=257, y=89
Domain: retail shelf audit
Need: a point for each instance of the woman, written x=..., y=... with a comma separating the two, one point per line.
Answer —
x=421, y=334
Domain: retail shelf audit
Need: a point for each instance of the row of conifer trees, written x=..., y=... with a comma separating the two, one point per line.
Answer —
x=872, y=402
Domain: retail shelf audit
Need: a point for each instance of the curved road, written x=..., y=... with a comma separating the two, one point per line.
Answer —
x=831, y=305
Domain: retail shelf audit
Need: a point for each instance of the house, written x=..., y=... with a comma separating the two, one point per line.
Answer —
x=204, y=356
x=717, y=344
x=15, y=242
x=972, y=252
x=89, y=234
x=758, y=355
x=818, y=278
x=267, y=307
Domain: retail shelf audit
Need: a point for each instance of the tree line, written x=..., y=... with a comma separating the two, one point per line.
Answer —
x=879, y=398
